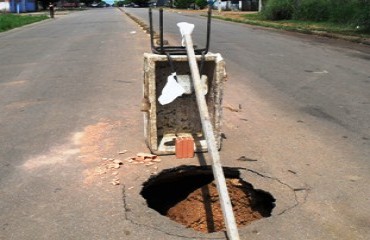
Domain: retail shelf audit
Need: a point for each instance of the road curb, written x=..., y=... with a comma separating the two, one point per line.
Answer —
x=355, y=39
x=141, y=23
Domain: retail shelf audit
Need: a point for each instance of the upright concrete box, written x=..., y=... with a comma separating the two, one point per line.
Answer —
x=180, y=118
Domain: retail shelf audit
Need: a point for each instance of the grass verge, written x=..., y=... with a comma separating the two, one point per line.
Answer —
x=10, y=21
x=320, y=28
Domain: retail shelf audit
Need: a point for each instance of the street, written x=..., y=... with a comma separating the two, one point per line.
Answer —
x=70, y=95
x=55, y=81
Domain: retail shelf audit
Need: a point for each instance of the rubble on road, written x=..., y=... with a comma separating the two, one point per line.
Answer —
x=115, y=181
x=108, y=167
x=122, y=152
x=144, y=158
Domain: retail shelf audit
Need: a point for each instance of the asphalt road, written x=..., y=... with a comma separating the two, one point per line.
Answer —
x=70, y=91
x=303, y=114
x=55, y=80
x=330, y=78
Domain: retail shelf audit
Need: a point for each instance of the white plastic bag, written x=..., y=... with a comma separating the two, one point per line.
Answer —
x=171, y=90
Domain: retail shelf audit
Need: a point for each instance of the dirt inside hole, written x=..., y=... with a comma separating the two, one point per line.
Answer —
x=188, y=195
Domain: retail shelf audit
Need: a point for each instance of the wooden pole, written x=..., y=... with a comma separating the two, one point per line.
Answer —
x=227, y=210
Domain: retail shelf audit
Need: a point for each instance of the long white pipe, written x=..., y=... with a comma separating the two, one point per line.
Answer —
x=227, y=210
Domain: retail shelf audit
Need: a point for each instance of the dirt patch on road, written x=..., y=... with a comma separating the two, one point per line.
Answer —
x=96, y=141
x=97, y=144
x=201, y=210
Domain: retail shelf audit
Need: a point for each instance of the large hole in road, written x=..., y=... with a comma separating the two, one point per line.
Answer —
x=188, y=195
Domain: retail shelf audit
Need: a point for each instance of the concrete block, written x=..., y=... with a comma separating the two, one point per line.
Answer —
x=164, y=123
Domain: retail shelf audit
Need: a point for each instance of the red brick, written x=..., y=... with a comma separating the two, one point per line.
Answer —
x=184, y=147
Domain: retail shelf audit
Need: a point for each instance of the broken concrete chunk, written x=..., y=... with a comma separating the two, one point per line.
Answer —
x=123, y=152
x=117, y=161
x=100, y=171
x=139, y=159
x=145, y=158
x=145, y=155
x=113, y=165
x=115, y=181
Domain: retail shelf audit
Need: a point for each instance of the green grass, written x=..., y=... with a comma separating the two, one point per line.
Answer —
x=324, y=28
x=10, y=21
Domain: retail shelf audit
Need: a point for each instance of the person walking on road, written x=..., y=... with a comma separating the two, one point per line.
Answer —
x=51, y=9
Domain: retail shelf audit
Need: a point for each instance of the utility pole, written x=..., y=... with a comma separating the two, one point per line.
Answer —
x=259, y=5
x=219, y=6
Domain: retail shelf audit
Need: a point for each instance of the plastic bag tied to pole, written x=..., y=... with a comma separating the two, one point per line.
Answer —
x=171, y=90
x=185, y=28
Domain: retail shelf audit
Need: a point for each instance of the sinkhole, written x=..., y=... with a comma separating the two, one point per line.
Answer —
x=188, y=195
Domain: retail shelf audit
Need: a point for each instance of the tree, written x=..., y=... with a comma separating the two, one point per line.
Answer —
x=183, y=4
x=45, y=3
x=121, y=3
x=201, y=3
x=141, y=3
x=88, y=2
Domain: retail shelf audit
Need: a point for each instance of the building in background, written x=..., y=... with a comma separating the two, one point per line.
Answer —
x=4, y=6
x=18, y=6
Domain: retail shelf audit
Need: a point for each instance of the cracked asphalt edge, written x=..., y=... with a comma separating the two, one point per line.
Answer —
x=132, y=221
x=294, y=190
x=296, y=200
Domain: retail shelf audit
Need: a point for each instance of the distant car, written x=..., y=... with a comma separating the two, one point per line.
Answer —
x=98, y=5
x=131, y=5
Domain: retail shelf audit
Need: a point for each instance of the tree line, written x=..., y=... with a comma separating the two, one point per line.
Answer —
x=352, y=12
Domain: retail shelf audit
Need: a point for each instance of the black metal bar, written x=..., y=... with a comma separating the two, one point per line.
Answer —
x=175, y=50
x=161, y=27
x=151, y=29
x=172, y=66
x=208, y=28
x=203, y=59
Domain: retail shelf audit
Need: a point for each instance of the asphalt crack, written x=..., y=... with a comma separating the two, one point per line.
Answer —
x=129, y=215
x=294, y=190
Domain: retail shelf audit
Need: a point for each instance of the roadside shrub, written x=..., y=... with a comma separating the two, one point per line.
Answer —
x=361, y=17
x=342, y=11
x=201, y=3
x=9, y=21
x=313, y=10
x=278, y=9
x=183, y=4
x=352, y=12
